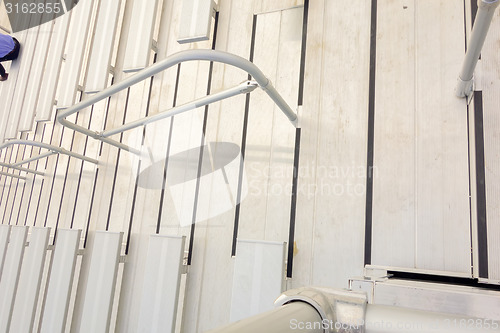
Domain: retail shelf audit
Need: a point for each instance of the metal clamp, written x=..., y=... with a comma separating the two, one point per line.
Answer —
x=340, y=310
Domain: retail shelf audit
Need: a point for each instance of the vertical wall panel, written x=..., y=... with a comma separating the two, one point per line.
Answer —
x=30, y=279
x=421, y=191
x=491, y=120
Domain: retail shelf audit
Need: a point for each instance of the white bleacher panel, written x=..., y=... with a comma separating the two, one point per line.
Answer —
x=4, y=240
x=98, y=299
x=23, y=315
x=10, y=275
x=140, y=36
x=25, y=75
x=36, y=77
x=57, y=295
x=196, y=20
x=78, y=35
x=9, y=86
x=52, y=68
x=259, y=275
x=102, y=48
x=160, y=291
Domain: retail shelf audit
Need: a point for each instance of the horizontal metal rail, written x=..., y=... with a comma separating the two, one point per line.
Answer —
x=52, y=150
x=12, y=175
x=7, y=165
x=177, y=58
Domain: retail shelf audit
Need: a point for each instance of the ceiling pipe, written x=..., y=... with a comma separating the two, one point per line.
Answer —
x=482, y=22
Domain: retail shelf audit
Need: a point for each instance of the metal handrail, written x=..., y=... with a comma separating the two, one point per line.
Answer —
x=259, y=80
x=190, y=55
x=52, y=150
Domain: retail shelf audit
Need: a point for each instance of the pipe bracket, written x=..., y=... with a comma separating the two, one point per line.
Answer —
x=340, y=310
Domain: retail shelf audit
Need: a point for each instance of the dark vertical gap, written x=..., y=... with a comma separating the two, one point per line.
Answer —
x=90, y=208
x=55, y=170
x=296, y=157
x=243, y=147
x=22, y=193
x=33, y=186
x=482, y=226
x=8, y=196
x=117, y=164
x=6, y=169
x=81, y=170
x=66, y=177
x=303, y=53
x=167, y=154
x=202, y=147
x=293, y=208
x=105, y=116
x=371, y=136
x=38, y=203
x=136, y=185
x=24, y=188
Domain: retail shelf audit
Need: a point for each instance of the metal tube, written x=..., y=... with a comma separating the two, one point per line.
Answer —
x=34, y=158
x=48, y=147
x=188, y=55
x=292, y=317
x=12, y=166
x=242, y=88
x=482, y=24
x=12, y=175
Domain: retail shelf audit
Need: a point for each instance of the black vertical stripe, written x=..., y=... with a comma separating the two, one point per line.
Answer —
x=137, y=173
x=243, y=147
x=9, y=191
x=91, y=208
x=482, y=226
x=202, y=147
x=167, y=154
x=371, y=136
x=24, y=188
x=303, y=53
x=81, y=170
x=293, y=208
x=33, y=186
x=117, y=164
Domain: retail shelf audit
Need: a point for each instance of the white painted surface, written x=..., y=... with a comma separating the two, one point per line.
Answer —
x=102, y=48
x=102, y=280
x=30, y=279
x=258, y=277
x=195, y=21
x=420, y=210
x=9, y=281
x=421, y=190
x=4, y=242
x=53, y=68
x=140, y=38
x=160, y=290
x=57, y=294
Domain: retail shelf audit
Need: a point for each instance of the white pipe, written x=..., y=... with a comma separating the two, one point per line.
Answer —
x=482, y=22
x=242, y=88
x=12, y=166
x=12, y=175
x=329, y=311
x=49, y=147
x=188, y=55
x=292, y=317
x=34, y=158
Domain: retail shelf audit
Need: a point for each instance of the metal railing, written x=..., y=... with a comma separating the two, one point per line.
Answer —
x=259, y=80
